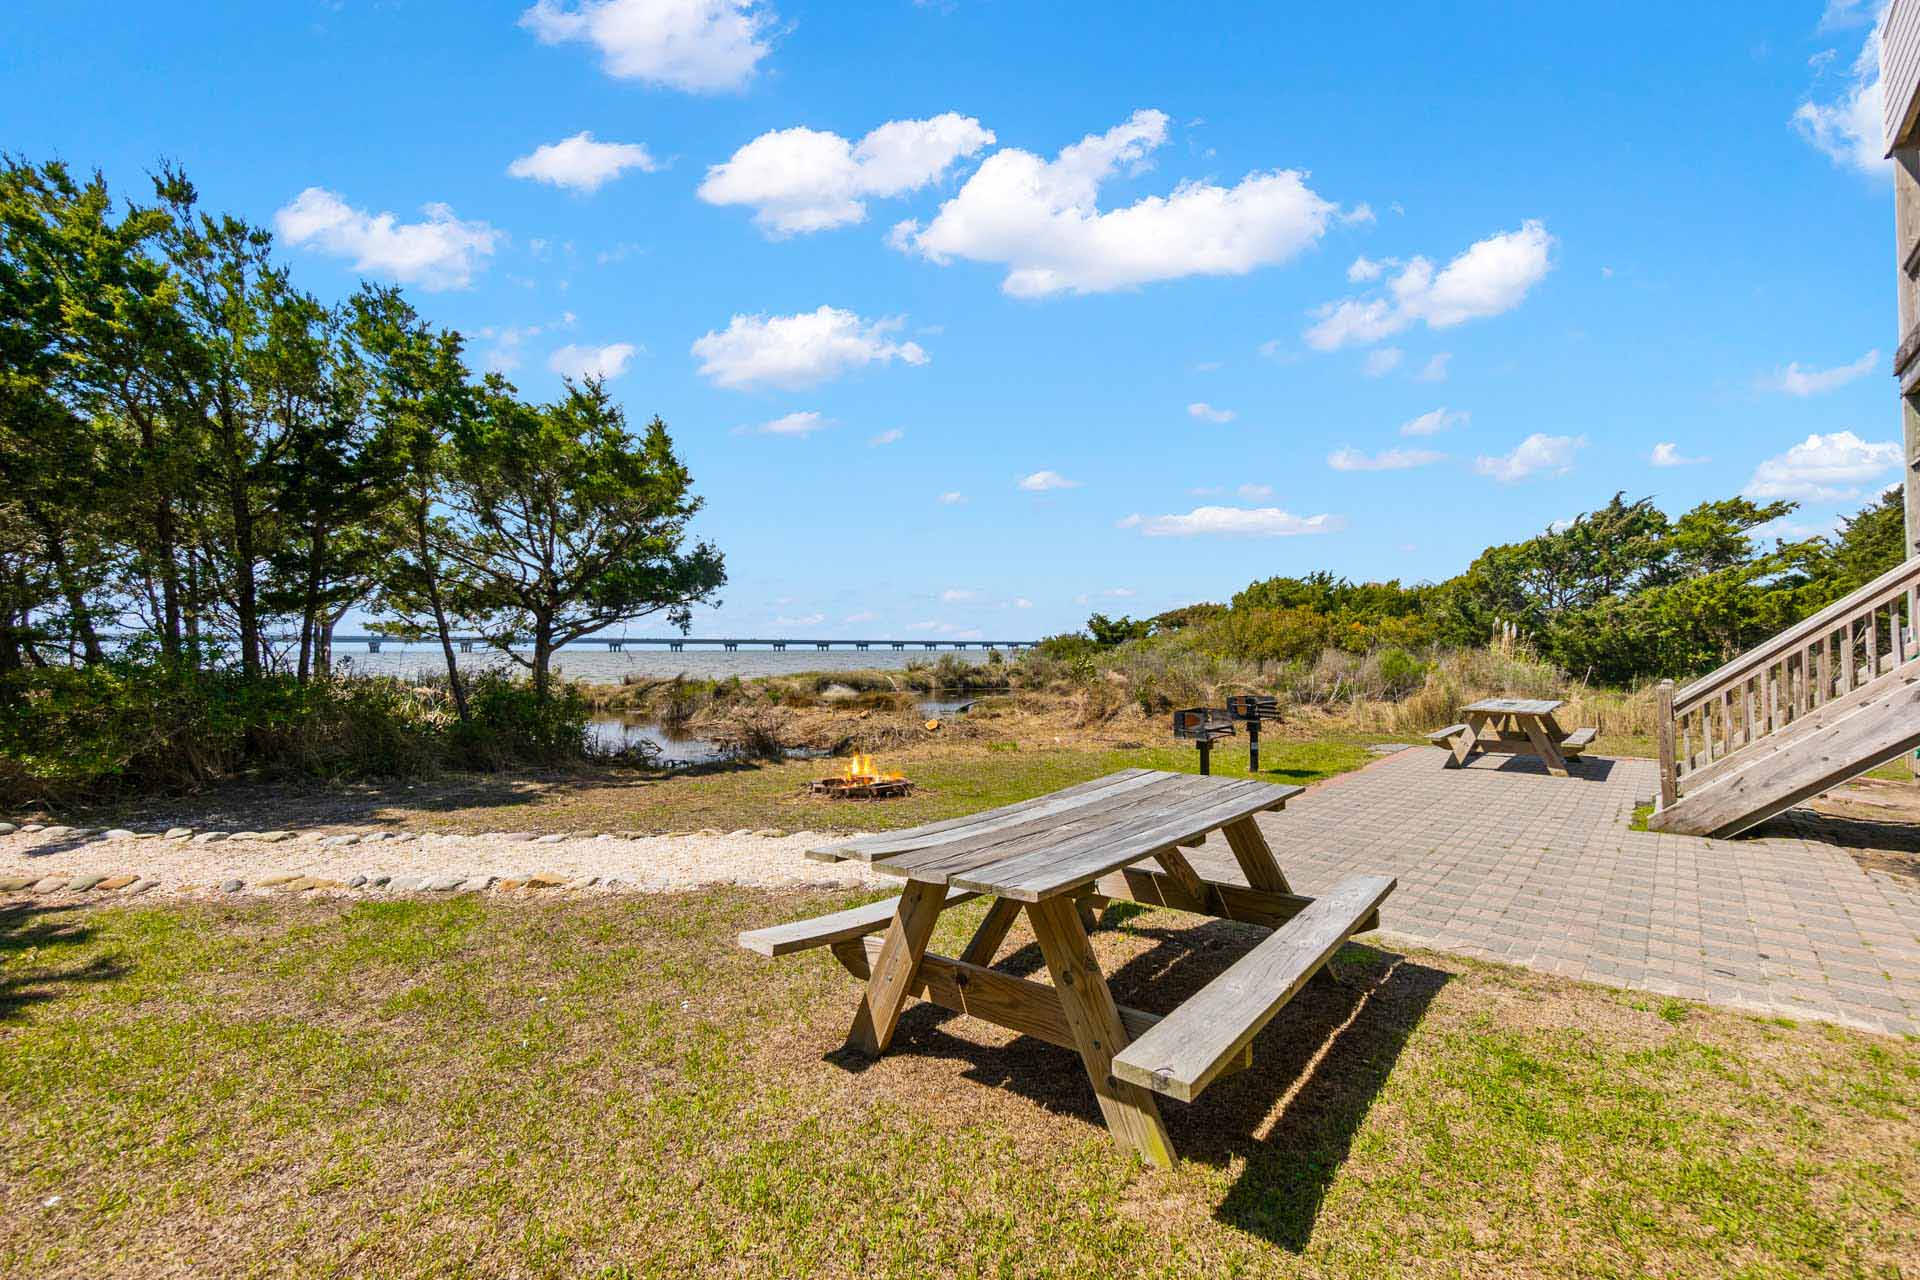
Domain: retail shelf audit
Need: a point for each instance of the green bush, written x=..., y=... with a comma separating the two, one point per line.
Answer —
x=136, y=724
x=1400, y=673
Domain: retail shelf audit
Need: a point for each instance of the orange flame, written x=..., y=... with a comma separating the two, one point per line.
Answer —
x=861, y=768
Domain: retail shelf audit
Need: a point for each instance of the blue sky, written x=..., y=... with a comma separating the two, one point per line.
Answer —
x=1122, y=306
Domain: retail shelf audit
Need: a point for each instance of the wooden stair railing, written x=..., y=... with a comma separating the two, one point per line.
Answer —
x=1707, y=726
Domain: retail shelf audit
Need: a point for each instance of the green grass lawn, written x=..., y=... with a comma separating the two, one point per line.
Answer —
x=611, y=1088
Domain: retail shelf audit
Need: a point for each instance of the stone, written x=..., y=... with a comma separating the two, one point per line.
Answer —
x=349, y=838
x=55, y=831
x=356, y=882
x=284, y=877
x=475, y=884
x=119, y=833
x=146, y=835
x=551, y=839
x=12, y=884
x=116, y=882
x=31, y=827
x=709, y=833
x=771, y=833
x=178, y=833
x=142, y=886
x=545, y=880
x=511, y=883
x=581, y=882
x=275, y=837
x=49, y=884
x=209, y=837
x=518, y=837
x=244, y=835
x=232, y=886
x=380, y=882
x=7, y=828
x=81, y=883
x=443, y=884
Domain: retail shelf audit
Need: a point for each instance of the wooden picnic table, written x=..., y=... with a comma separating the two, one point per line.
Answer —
x=1056, y=858
x=1521, y=726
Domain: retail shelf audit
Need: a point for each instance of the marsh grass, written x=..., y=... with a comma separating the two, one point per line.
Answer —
x=431, y=1088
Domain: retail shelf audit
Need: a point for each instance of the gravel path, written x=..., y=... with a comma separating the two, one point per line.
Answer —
x=332, y=860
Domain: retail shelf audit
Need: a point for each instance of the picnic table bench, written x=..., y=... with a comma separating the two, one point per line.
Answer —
x=1055, y=857
x=1521, y=726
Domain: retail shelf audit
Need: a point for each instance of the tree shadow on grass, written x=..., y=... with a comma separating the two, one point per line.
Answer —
x=1292, y=1118
x=49, y=932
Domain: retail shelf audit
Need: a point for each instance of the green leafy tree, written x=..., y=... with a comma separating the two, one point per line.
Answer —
x=561, y=523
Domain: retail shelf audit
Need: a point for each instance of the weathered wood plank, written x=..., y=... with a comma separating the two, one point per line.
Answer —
x=1061, y=867
x=1131, y=1112
x=1022, y=1006
x=1189, y=1048
x=1255, y=856
x=821, y=931
x=868, y=847
x=992, y=932
x=1218, y=898
x=893, y=973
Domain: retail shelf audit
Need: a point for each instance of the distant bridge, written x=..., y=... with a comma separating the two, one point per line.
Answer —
x=614, y=644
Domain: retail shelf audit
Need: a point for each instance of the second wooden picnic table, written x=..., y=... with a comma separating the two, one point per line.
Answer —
x=1521, y=726
x=1056, y=857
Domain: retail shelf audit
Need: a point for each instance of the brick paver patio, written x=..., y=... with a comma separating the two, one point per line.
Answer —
x=1502, y=861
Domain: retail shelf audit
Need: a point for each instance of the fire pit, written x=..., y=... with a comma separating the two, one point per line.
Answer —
x=862, y=780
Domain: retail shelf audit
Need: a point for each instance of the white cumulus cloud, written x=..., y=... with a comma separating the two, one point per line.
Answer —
x=1435, y=370
x=799, y=350
x=798, y=425
x=1433, y=422
x=1824, y=468
x=801, y=180
x=952, y=498
x=1796, y=381
x=1255, y=522
x=1668, y=455
x=582, y=163
x=1385, y=460
x=893, y=435
x=442, y=252
x=700, y=46
x=1046, y=482
x=1848, y=128
x=1201, y=411
x=1488, y=278
x=1042, y=219
x=1538, y=454
x=582, y=362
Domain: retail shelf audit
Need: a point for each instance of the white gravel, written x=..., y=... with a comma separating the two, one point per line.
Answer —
x=653, y=864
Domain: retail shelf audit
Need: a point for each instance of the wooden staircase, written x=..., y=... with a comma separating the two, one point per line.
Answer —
x=1822, y=702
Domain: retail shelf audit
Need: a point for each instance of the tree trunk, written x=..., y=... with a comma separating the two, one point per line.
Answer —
x=245, y=589
x=310, y=605
x=69, y=586
x=430, y=570
x=542, y=655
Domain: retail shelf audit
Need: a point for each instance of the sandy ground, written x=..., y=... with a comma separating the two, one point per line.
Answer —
x=650, y=864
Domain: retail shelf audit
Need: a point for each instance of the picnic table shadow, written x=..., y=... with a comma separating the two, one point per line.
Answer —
x=1326, y=1055
x=1585, y=769
x=31, y=927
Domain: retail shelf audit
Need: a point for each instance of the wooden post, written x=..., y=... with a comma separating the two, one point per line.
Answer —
x=1663, y=720
x=891, y=983
x=1131, y=1112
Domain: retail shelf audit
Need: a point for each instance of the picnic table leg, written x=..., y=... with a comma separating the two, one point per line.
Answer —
x=890, y=983
x=1543, y=746
x=1462, y=746
x=1468, y=743
x=992, y=932
x=1131, y=1112
x=1255, y=857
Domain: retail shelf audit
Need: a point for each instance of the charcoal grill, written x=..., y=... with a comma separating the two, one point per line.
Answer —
x=1203, y=726
x=1252, y=709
